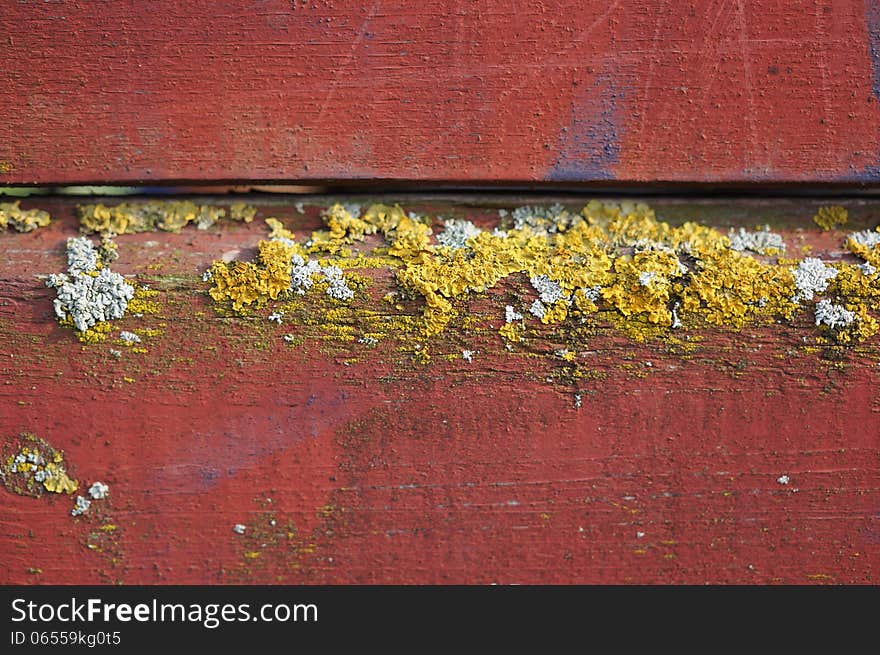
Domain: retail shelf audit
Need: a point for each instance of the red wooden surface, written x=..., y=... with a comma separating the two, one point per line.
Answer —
x=377, y=469
x=629, y=91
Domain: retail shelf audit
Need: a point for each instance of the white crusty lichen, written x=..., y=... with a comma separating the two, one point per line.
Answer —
x=676, y=319
x=302, y=278
x=239, y=528
x=81, y=506
x=85, y=294
x=811, y=276
x=129, y=337
x=593, y=294
x=544, y=220
x=834, y=316
x=548, y=290
x=456, y=233
x=82, y=256
x=866, y=238
x=301, y=274
x=337, y=287
x=99, y=490
x=538, y=309
x=646, y=277
x=762, y=242
x=511, y=315
x=467, y=355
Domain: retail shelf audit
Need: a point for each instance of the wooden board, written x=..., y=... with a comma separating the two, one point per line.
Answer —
x=725, y=91
x=351, y=465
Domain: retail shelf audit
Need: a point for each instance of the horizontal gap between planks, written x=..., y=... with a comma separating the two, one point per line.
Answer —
x=367, y=187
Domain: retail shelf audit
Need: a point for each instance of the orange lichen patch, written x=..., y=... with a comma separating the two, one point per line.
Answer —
x=247, y=283
x=856, y=289
x=31, y=467
x=731, y=289
x=830, y=217
x=866, y=244
x=168, y=216
x=643, y=284
x=13, y=217
x=278, y=231
x=617, y=261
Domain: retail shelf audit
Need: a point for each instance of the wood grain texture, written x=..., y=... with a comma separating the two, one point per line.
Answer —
x=572, y=91
x=353, y=466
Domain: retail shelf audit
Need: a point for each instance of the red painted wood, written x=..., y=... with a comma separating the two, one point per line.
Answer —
x=706, y=90
x=391, y=472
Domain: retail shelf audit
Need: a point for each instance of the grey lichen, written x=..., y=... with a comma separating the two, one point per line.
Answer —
x=544, y=220
x=81, y=255
x=549, y=290
x=511, y=315
x=84, y=294
x=762, y=241
x=129, y=337
x=811, y=276
x=867, y=238
x=303, y=273
x=834, y=316
x=537, y=309
x=456, y=233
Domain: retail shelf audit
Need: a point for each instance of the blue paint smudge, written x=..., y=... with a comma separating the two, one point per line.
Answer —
x=871, y=172
x=872, y=20
x=590, y=145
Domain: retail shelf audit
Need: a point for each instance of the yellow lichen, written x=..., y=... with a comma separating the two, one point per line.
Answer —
x=246, y=283
x=165, y=215
x=830, y=217
x=870, y=253
x=32, y=467
x=98, y=333
x=857, y=292
x=730, y=289
x=278, y=231
x=143, y=301
x=12, y=216
x=612, y=263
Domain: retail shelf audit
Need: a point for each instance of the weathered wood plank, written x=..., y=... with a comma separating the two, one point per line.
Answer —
x=349, y=465
x=705, y=91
